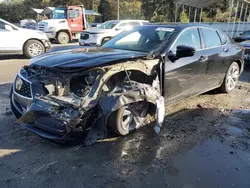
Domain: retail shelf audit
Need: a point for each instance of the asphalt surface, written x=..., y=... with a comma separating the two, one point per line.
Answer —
x=205, y=142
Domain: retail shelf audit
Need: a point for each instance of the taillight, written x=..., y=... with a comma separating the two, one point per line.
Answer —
x=243, y=48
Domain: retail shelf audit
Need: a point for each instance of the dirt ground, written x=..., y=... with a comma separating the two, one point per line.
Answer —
x=204, y=142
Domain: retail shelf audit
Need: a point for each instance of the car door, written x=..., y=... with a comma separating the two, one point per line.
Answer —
x=185, y=76
x=75, y=19
x=217, y=52
x=9, y=38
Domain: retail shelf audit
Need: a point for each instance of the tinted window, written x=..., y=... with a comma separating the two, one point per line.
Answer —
x=190, y=38
x=211, y=38
x=223, y=37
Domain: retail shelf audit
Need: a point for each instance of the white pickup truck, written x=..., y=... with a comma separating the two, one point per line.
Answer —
x=15, y=40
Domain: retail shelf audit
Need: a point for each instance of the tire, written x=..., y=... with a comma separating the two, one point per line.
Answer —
x=33, y=48
x=63, y=38
x=105, y=40
x=231, y=78
x=123, y=120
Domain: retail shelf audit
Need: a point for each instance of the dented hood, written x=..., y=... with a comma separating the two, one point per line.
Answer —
x=84, y=57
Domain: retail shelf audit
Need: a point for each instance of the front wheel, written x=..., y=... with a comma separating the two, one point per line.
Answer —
x=231, y=78
x=33, y=48
x=128, y=118
x=63, y=38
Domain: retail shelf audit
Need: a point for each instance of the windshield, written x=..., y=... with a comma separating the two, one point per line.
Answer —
x=246, y=33
x=60, y=13
x=108, y=25
x=144, y=39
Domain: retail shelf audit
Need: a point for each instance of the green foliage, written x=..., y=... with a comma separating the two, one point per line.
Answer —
x=184, y=17
x=106, y=10
x=131, y=10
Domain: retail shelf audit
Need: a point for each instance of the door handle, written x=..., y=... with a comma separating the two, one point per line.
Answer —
x=225, y=50
x=203, y=58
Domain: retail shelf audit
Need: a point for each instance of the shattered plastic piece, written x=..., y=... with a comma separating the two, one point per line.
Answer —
x=160, y=114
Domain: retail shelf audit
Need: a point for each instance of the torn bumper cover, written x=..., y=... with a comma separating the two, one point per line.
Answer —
x=50, y=120
x=54, y=121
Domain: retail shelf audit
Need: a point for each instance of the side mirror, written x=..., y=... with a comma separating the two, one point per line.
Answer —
x=184, y=51
x=241, y=34
x=8, y=28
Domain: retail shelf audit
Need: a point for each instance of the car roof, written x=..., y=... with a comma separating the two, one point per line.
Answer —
x=126, y=21
x=177, y=26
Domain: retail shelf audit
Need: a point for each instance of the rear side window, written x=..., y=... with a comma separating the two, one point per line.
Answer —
x=223, y=37
x=211, y=38
x=190, y=38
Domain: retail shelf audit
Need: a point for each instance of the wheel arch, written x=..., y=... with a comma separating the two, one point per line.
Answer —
x=240, y=63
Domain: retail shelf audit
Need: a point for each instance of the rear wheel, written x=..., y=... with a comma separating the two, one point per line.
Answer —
x=128, y=118
x=231, y=78
x=33, y=48
x=63, y=38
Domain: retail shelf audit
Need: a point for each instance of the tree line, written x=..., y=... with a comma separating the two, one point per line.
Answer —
x=152, y=10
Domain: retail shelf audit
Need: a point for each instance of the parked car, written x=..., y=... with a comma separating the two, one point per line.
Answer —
x=114, y=87
x=16, y=40
x=242, y=37
x=246, y=47
x=107, y=30
x=28, y=24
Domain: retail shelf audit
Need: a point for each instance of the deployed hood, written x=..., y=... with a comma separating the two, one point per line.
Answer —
x=84, y=57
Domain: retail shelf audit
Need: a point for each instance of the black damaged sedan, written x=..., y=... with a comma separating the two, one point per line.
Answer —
x=115, y=87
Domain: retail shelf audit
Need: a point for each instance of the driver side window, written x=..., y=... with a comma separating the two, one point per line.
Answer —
x=74, y=13
x=190, y=37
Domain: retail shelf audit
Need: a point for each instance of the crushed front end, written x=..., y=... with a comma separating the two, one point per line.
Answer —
x=57, y=103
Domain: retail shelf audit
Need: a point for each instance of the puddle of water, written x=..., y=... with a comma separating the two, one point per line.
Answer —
x=234, y=130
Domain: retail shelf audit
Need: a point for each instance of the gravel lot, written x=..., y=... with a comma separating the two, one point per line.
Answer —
x=205, y=142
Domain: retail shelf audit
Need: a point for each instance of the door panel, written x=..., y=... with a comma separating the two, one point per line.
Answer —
x=218, y=56
x=75, y=19
x=9, y=39
x=185, y=76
